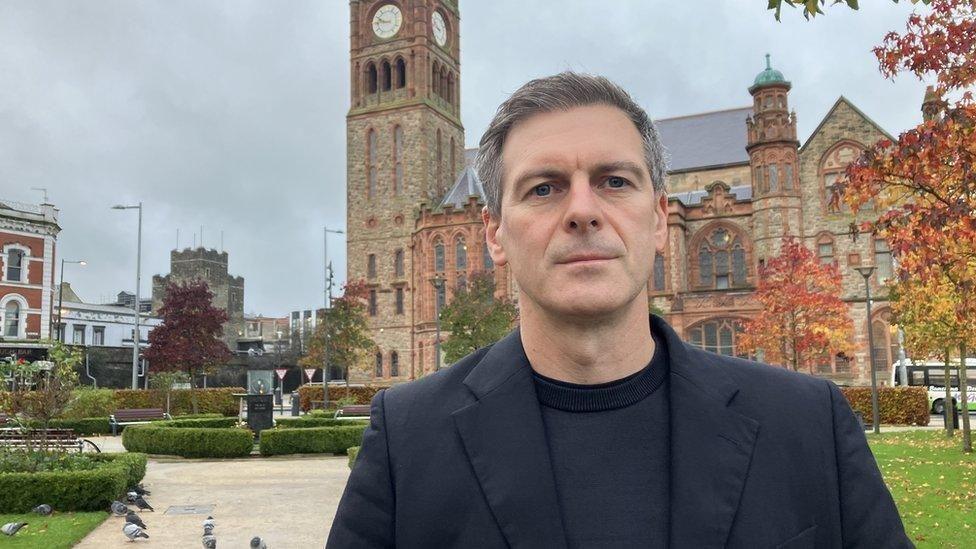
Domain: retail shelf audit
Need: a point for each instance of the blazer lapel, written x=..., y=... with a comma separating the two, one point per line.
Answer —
x=711, y=446
x=504, y=438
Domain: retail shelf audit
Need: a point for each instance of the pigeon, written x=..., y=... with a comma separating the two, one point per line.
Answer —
x=142, y=504
x=132, y=518
x=209, y=522
x=207, y=530
x=11, y=527
x=131, y=497
x=209, y=541
x=140, y=490
x=43, y=509
x=258, y=543
x=133, y=532
x=119, y=509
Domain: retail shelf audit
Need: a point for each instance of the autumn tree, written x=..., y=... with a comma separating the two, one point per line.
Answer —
x=347, y=329
x=925, y=182
x=811, y=8
x=802, y=316
x=475, y=317
x=188, y=340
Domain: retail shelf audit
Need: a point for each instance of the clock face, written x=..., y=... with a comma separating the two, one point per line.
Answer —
x=386, y=21
x=439, y=27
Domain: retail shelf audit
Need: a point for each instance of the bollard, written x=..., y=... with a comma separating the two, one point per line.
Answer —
x=295, y=404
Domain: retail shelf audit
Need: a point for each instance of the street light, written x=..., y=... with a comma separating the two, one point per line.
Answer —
x=438, y=282
x=325, y=312
x=875, y=417
x=135, y=331
x=61, y=295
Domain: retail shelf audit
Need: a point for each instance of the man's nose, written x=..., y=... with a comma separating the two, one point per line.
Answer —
x=584, y=209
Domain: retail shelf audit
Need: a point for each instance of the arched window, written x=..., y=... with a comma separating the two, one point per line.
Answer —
x=759, y=184
x=371, y=161
x=885, y=341
x=371, y=266
x=435, y=79
x=401, y=73
x=443, y=85
x=486, y=258
x=460, y=254
x=399, y=301
x=394, y=364
x=379, y=364
x=721, y=260
x=440, y=158
x=371, y=78
x=788, y=176
x=450, y=88
x=11, y=319
x=372, y=303
x=659, y=273
x=439, y=256
x=773, y=178
x=832, y=174
x=420, y=357
x=385, y=77
x=882, y=260
x=15, y=265
x=397, y=160
x=442, y=296
x=825, y=250
x=717, y=335
x=398, y=263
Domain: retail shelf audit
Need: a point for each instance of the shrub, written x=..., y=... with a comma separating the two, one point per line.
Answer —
x=87, y=403
x=189, y=442
x=220, y=400
x=306, y=422
x=87, y=426
x=896, y=405
x=217, y=422
x=359, y=394
x=353, y=452
x=75, y=490
x=314, y=440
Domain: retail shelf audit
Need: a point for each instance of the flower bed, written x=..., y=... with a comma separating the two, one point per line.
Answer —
x=312, y=440
x=84, y=487
x=187, y=438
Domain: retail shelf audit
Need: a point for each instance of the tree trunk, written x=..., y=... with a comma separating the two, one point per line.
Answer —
x=967, y=441
x=948, y=396
x=193, y=395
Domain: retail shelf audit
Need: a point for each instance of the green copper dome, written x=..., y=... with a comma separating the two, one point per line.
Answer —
x=769, y=76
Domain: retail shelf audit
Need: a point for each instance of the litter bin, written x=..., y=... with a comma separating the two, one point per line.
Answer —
x=295, y=404
x=954, y=416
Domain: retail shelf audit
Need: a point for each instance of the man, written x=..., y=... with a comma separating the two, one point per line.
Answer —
x=592, y=424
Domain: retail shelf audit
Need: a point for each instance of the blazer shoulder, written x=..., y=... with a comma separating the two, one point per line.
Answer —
x=441, y=389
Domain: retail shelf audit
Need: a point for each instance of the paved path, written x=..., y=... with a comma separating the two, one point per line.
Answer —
x=289, y=501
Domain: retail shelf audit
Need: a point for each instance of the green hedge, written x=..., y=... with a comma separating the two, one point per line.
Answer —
x=189, y=442
x=306, y=422
x=314, y=440
x=353, y=452
x=362, y=394
x=215, y=401
x=218, y=422
x=99, y=425
x=896, y=405
x=86, y=490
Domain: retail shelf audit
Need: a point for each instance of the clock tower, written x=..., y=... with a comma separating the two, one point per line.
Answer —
x=405, y=144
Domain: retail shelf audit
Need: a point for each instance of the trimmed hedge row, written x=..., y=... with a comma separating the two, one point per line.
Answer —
x=220, y=400
x=218, y=422
x=362, y=394
x=314, y=440
x=896, y=405
x=188, y=442
x=306, y=422
x=353, y=452
x=86, y=490
x=99, y=425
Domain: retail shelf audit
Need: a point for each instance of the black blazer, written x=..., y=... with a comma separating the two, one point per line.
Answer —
x=760, y=457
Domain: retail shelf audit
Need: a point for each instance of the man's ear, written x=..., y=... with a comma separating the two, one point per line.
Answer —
x=661, y=220
x=491, y=237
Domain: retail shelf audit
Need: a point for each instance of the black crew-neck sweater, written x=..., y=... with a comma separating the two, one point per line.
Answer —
x=610, y=452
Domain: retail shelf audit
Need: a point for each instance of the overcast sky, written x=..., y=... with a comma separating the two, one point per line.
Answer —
x=231, y=115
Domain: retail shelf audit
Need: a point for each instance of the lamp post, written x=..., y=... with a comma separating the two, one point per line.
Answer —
x=438, y=282
x=325, y=312
x=875, y=416
x=61, y=295
x=135, y=329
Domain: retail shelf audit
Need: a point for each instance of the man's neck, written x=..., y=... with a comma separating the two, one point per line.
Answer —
x=587, y=351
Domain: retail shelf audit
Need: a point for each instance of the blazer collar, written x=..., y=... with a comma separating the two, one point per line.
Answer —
x=505, y=440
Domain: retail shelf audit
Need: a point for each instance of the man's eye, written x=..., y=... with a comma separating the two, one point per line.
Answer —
x=545, y=186
x=614, y=180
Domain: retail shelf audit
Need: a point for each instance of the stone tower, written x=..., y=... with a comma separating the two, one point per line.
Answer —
x=772, y=148
x=405, y=144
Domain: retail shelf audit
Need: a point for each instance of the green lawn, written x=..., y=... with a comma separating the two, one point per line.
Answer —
x=58, y=531
x=933, y=483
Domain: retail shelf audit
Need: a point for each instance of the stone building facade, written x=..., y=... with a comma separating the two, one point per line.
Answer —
x=210, y=266
x=738, y=181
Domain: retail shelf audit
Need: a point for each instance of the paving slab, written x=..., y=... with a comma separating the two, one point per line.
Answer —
x=290, y=501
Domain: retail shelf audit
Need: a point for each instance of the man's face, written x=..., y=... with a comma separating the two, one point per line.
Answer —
x=575, y=184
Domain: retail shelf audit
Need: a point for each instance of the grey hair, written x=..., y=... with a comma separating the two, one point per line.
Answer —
x=560, y=92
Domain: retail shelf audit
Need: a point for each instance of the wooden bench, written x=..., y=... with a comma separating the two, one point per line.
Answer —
x=53, y=439
x=134, y=416
x=353, y=411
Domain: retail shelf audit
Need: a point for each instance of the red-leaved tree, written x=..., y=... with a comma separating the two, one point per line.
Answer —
x=803, y=316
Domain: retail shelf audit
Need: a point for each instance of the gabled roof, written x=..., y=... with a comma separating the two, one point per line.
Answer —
x=691, y=198
x=705, y=140
x=830, y=113
x=467, y=184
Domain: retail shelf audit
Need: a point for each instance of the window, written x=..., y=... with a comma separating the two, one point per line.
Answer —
x=788, y=177
x=442, y=296
x=882, y=260
x=460, y=254
x=15, y=265
x=832, y=173
x=439, y=256
x=371, y=78
x=718, y=336
x=399, y=301
x=486, y=258
x=371, y=266
x=435, y=80
x=773, y=178
x=440, y=159
x=394, y=364
x=11, y=319
x=385, y=78
x=371, y=161
x=721, y=260
x=658, y=273
x=98, y=335
x=398, y=263
x=372, y=303
x=401, y=73
x=78, y=334
x=462, y=283
x=397, y=160
x=758, y=183
x=825, y=251
x=379, y=364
